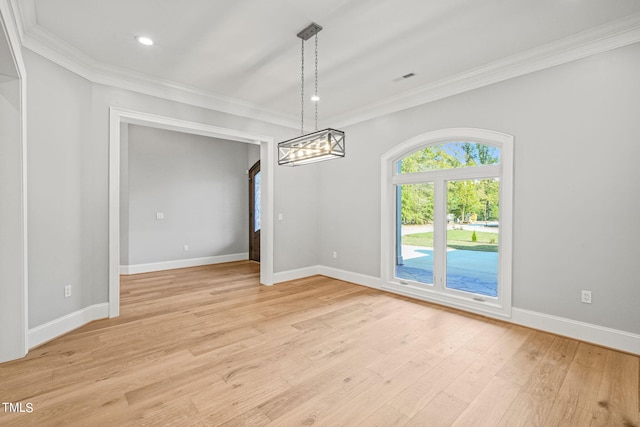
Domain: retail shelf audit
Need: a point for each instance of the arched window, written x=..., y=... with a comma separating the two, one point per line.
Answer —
x=446, y=211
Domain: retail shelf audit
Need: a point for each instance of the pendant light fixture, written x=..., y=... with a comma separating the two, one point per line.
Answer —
x=317, y=146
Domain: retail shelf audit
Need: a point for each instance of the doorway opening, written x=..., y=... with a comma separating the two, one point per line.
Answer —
x=119, y=117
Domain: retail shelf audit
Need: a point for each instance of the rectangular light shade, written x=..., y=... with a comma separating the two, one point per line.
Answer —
x=310, y=148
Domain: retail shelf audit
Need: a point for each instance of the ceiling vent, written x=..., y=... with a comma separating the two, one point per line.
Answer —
x=406, y=76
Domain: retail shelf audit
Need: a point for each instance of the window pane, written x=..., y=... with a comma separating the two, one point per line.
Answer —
x=472, y=236
x=448, y=156
x=257, y=201
x=414, y=242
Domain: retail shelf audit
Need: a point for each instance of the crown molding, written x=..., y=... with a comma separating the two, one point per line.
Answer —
x=24, y=14
x=49, y=46
x=615, y=34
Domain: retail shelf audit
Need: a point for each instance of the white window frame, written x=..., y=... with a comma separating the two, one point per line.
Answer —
x=494, y=307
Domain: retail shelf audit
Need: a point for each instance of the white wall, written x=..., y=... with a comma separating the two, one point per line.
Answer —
x=253, y=155
x=11, y=220
x=13, y=259
x=200, y=186
x=60, y=178
x=577, y=183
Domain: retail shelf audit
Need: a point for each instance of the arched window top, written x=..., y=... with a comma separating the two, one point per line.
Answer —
x=449, y=155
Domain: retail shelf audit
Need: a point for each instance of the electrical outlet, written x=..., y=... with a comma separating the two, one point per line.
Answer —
x=185, y=247
x=67, y=291
x=586, y=297
x=335, y=254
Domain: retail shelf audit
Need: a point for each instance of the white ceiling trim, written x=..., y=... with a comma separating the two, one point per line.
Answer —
x=615, y=34
x=38, y=41
x=610, y=36
x=51, y=47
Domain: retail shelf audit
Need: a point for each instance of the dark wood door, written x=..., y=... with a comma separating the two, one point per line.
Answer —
x=254, y=212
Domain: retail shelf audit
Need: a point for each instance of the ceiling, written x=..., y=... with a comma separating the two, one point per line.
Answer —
x=243, y=56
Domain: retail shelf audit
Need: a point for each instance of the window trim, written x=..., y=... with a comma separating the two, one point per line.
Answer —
x=495, y=307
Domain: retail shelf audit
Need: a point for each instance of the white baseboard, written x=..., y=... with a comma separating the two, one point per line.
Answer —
x=55, y=328
x=595, y=334
x=181, y=263
x=607, y=337
x=334, y=273
x=348, y=276
x=285, y=276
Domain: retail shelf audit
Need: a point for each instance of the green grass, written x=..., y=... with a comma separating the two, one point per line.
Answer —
x=456, y=239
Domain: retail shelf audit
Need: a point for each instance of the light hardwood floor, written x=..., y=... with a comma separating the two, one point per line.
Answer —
x=209, y=346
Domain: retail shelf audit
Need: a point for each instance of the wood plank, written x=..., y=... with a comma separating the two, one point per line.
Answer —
x=591, y=356
x=314, y=382
x=525, y=361
x=490, y=405
x=254, y=418
x=485, y=366
x=385, y=416
x=564, y=414
x=382, y=392
x=216, y=408
x=562, y=352
x=527, y=410
x=337, y=397
x=581, y=386
x=442, y=411
x=411, y=400
x=617, y=394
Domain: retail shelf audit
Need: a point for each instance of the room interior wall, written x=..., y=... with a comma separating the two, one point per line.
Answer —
x=199, y=184
x=60, y=248
x=11, y=219
x=13, y=185
x=253, y=154
x=576, y=184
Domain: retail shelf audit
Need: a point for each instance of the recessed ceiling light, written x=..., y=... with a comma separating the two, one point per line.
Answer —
x=144, y=40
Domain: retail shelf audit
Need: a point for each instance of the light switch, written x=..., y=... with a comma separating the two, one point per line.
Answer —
x=159, y=215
